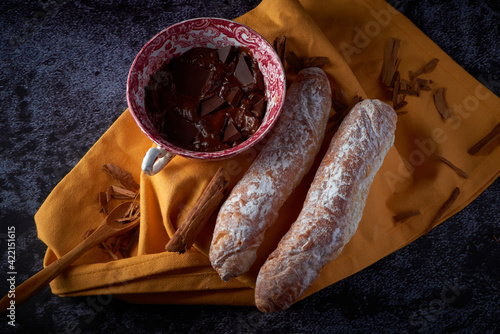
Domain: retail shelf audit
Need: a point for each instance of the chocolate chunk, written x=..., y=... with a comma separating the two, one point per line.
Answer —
x=225, y=53
x=242, y=72
x=231, y=134
x=258, y=108
x=189, y=79
x=246, y=122
x=234, y=96
x=215, y=122
x=212, y=104
x=179, y=129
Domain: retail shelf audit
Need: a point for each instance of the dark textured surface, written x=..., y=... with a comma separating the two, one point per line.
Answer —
x=62, y=84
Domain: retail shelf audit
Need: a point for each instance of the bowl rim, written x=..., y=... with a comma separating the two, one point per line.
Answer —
x=212, y=155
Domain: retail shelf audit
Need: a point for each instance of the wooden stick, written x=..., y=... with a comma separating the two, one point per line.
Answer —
x=185, y=236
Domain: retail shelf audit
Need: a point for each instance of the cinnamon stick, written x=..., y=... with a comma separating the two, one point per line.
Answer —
x=396, y=99
x=449, y=202
x=484, y=141
x=449, y=163
x=186, y=234
x=121, y=193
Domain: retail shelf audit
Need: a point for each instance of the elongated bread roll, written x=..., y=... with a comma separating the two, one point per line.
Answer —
x=253, y=205
x=333, y=206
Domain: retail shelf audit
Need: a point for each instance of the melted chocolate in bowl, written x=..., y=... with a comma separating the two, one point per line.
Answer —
x=207, y=99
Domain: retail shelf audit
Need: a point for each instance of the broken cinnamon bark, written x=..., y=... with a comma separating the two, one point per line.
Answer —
x=341, y=107
x=122, y=176
x=399, y=87
x=115, y=246
x=279, y=45
x=391, y=61
x=103, y=201
x=339, y=101
x=441, y=103
x=297, y=64
x=293, y=61
x=449, y=202
x=127, y=247
x=427, y=68
x=107, y=248
x=121, y=193
x=485, y=140
x=455, y=168
x=398, y=98
x=400, y=105
x=132, y=214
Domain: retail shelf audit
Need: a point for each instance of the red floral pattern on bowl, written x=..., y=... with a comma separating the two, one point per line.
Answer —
x=213, y=33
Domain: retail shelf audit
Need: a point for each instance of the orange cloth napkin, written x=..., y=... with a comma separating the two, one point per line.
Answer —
x=352, y=34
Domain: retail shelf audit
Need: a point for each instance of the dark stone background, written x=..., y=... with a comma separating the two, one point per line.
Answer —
x=64, y=66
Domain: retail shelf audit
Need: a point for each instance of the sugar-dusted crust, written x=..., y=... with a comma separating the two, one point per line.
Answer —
x=333, y=206
x=253, y=205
